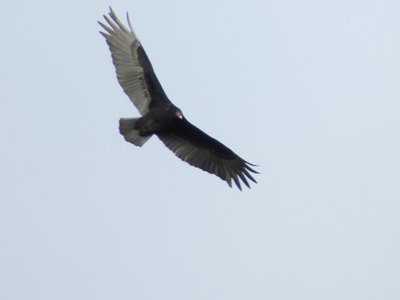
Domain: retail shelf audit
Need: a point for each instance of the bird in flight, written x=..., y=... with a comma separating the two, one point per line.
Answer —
x=159, y=116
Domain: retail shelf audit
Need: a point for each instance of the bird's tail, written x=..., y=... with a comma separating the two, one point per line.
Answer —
x=132, y=135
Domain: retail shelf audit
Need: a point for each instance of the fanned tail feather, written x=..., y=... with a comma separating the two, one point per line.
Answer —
x=132, y=135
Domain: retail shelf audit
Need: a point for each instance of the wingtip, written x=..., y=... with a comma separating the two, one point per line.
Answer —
x=129, y=21
x=229, y=181
x=103, y=34
x=111, y=11
x=244, y=180
x=237, y=182
x=250, y=168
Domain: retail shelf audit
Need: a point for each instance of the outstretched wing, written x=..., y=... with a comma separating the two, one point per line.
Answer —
x=134, y=70
x=200, y=150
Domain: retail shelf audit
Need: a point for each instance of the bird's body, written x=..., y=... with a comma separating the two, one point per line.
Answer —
x=158, y=120
x=159, y=115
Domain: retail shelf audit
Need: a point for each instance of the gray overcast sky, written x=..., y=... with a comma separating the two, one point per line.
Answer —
x=308, y=90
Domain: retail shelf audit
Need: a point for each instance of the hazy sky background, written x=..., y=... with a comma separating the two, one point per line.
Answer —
x=308, y=90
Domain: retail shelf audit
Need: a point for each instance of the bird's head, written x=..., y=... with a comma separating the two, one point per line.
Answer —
x=179, y=114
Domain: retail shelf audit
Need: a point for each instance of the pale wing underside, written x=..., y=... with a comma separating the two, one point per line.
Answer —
x=229, y=169
x=123, y=45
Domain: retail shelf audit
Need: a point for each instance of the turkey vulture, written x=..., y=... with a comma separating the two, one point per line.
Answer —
x=159, y=116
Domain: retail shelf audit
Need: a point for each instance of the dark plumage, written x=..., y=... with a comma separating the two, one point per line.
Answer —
x=159, y=115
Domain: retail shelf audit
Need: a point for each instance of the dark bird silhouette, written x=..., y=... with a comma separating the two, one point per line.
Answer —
x=159, y=115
